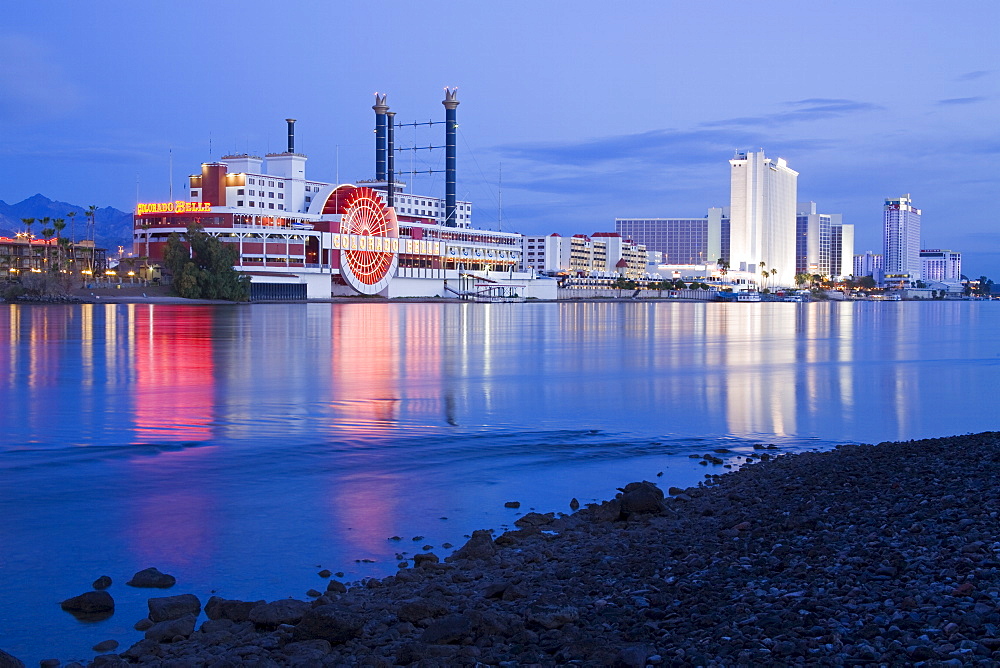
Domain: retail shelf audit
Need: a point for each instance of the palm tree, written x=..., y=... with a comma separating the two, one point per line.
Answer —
x=723, y=267
x=59, y=224
x=91, y=214
x=47, y=233
x=72, y=226
x=28, y=222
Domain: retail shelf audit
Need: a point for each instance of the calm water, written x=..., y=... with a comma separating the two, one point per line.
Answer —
x=240, y=448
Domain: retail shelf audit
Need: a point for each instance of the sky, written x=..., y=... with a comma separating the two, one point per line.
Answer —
x=572, y=113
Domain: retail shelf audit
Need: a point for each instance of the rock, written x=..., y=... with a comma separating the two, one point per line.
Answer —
x=337, y=586
x=143, y=624
x=102, y=582
x=574, y=504
x=641, y=497
x=44, y=663
x=231, y=609
x=170, y=629
x=331, y=623
x=480, y=546
x=633, y=656
x=674, y=491
x=173, y=607
x=447, y=630
x=285, y=611
x=152, y=578
x=105, y=646
x=422, y=608
x=89, y=603
x=427, y=559
x=325, y=573
x=9, y=660
x=512, y=504
x=312, y=593
x=535, y=520
x=551, y=617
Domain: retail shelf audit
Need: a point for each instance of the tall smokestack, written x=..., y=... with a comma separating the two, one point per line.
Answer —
x=390, y=192
x=380, y=124
x=291, y=134
x=450, y=104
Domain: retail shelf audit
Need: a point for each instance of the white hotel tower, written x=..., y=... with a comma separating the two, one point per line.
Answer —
x=901, y=238
x=762, y=216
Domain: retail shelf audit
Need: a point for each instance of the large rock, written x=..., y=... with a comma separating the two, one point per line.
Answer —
x=231, y=609
x=447, y=630
x=173, y=607
x=152, y=578
x=421, y=608
x=641, y=497
x=331, y=623
x=102, y=582
x=92, y=602
x=168, y=630
x=285, y=611
x=480, y=546
x=8, y=661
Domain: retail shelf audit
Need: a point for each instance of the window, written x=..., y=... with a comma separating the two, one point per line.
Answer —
x=239, y=202
x=194, y=193
x=251, y=181
x=308, y=199
x=281, y=195
x=270, y=184
x=281, y=184
x=250, y=204
x=240, y=191
x=270, y=205
x=271, y=195
x=281, y=207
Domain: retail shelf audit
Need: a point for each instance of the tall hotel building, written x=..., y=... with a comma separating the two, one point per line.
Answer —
x=762, y=208
x=901, y=238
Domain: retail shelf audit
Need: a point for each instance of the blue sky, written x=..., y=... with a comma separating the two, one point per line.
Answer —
x=592, y=110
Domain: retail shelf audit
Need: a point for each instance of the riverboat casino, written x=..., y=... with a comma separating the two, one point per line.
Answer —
x=304, y=238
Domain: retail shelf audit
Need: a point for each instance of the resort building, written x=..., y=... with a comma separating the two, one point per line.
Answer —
x=823, y=244
x=944, y=266
x=901, y=239
x=869, y=264
x=681, y=241
x=368, y=237
x=763, y=221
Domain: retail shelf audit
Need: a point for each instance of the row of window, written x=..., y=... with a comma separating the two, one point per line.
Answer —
x=260, y=193
x=270, y=205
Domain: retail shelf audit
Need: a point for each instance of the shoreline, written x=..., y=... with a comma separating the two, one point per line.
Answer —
x=866, y=553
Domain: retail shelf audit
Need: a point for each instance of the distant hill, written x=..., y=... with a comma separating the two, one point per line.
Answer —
x=113, y=228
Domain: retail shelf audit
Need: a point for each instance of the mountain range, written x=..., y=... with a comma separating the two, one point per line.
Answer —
x=112, y=227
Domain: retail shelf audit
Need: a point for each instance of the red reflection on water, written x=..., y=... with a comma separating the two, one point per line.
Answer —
x=174, y=388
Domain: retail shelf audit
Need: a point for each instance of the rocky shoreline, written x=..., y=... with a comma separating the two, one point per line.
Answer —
x=883, y=554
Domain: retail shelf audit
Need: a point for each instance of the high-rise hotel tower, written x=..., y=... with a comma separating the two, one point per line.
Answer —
x=762, y=216
x=901, y=238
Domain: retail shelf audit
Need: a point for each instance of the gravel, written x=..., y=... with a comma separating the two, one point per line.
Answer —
x=884, y=554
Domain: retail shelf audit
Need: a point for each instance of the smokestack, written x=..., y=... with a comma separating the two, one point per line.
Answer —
x=390, y=192
x=291, y=134
x=450, y=104
x=380, y=108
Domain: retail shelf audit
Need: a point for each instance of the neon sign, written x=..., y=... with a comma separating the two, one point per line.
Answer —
x=174, y=207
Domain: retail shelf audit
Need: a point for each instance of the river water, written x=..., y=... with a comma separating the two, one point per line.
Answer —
x=242, y=448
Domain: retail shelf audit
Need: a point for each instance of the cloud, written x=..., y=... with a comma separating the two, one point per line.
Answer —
x=82, y=155
x=811, y=109
x=963, y=100
x=972, y=76
x=35, y=87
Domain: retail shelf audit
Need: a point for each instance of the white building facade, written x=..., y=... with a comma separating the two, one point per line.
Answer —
x=901, y=238
x=941, y=265
x=763, y=194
